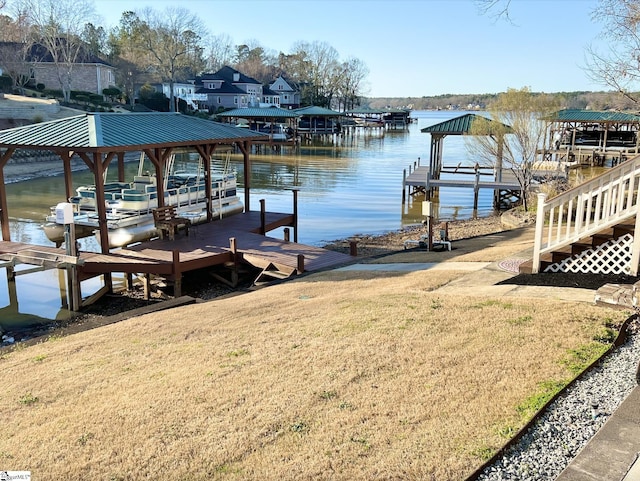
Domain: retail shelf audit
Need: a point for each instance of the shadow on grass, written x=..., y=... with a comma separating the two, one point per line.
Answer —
x=569, y=279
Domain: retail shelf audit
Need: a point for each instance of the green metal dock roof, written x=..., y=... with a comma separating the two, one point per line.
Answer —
x=260, y=113
x=457, y=126
x=593, y=116
x=317, y=112
x=122, y=131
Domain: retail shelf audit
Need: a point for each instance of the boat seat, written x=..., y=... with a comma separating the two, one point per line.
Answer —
x=167, y=221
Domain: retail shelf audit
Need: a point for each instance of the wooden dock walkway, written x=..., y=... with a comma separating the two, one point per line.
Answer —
x=421, y=176
x=421, y=179
x=228, y=243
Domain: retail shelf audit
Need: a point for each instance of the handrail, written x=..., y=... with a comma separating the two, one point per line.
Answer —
x=597, y=204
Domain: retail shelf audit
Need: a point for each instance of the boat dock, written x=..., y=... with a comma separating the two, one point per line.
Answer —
x=421, y=179
x=225, y=246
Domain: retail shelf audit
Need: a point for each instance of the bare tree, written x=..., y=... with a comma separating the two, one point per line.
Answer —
x=58, y=26
x=513, y=135
x=15, y=42
x=494, y=8
x=219, y=52
x=172, y=39
x=255, y=61
x=350, y=85
x=318, y=67
x=619, y=66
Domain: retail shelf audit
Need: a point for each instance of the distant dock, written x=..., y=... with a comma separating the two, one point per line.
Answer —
x=420, y=179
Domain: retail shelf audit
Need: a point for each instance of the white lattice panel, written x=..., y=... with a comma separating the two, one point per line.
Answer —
x=612, y=257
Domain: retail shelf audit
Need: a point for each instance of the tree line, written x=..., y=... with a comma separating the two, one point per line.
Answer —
x=581, y=100
x=170, y=46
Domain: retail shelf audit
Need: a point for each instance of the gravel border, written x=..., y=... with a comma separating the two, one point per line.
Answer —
x=572, y=419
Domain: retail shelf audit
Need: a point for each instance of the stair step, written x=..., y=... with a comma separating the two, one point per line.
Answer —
x=526, y=267
x=599, y=239
x=579, y=247
x=622, y=229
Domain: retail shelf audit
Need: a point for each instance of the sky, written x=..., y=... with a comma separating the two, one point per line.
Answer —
x=415, y=48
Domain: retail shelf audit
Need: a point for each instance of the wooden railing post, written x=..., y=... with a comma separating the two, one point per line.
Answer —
x=537, y=245
x=635, y=249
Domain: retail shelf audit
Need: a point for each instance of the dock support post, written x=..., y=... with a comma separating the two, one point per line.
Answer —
x=476, y=190
x=353, y=248
x=177, y=281
x=404, y=186
x=233, y=245
x=427, y=186
x=286, y=234
x=263, y=217
x=300, y=267
x=147, y=286
x=295, y=215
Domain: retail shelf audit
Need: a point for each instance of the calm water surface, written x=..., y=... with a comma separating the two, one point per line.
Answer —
x=352, y=186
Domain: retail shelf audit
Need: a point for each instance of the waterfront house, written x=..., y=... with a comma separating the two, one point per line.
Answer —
x=288, y=91
x=228, y=89
x=90, y=73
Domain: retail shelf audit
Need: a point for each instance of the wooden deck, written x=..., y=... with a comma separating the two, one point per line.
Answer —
x=208, y=245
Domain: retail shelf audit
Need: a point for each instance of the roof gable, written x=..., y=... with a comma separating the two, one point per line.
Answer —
x=227, y=73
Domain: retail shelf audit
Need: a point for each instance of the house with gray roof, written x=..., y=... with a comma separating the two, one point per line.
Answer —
x=229, y=89
x=288, y=92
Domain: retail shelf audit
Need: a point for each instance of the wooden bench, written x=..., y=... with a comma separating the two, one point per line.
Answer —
x=167, y=221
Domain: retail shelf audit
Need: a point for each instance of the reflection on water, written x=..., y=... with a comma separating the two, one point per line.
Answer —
x=347, y=187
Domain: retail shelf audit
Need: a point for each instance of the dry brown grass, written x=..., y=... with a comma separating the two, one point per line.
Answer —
x=337, y=375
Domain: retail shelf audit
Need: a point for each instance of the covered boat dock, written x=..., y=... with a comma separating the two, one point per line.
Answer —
x=591, y=138
x=100, y=138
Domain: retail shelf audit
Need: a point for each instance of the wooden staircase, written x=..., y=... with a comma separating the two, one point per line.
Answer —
x=590, y=229
x=579, y=248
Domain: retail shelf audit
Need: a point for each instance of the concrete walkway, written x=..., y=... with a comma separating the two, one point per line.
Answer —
x=483, y=278
x=612, y=454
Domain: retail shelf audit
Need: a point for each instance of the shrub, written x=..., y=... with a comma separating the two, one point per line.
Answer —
x=5, y=83
x=96, y=99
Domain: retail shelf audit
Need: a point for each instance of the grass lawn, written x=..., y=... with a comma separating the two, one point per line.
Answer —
x=332, y=376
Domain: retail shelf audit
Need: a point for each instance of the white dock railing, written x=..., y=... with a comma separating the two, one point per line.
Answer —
x=600, y=203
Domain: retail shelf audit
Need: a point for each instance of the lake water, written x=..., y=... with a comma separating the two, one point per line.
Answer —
x=347, y=187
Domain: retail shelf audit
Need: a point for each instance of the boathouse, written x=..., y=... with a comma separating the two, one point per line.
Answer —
x=591, y=138
x=100, y=138
x=507, y=189
x=272, y=121
x=316, y=120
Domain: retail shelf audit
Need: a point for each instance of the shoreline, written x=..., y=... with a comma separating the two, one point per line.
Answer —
x=19, y=171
